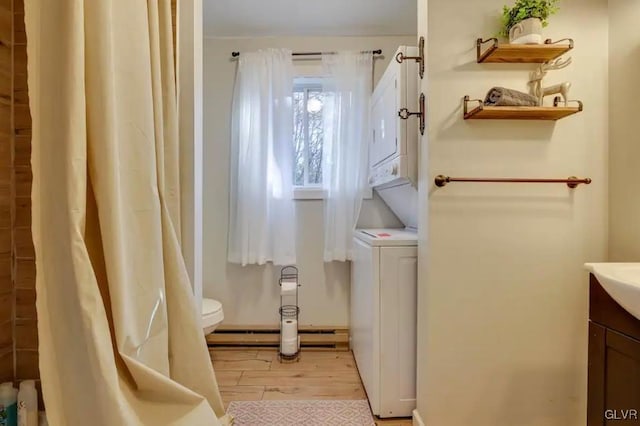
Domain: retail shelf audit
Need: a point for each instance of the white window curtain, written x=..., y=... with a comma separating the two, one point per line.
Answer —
x=347, y=91
x=262, y=211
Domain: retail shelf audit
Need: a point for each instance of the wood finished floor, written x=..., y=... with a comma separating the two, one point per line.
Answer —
x=253, y=375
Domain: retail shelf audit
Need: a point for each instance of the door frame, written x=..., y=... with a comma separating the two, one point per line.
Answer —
x=189, y=77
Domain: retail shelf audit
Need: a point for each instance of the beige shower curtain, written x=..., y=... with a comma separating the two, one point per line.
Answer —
x=120, y=336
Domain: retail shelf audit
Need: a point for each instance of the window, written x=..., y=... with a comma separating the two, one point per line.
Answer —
x=308, y=134
x=308, y=138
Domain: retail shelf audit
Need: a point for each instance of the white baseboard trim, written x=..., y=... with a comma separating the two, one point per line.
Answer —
x=417, y=420
x=317, y=337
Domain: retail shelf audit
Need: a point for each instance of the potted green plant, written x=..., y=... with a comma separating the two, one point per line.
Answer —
x=523, y=22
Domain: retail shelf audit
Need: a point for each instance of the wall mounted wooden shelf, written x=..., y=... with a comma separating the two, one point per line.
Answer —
x=482, y=112
x=521, y=53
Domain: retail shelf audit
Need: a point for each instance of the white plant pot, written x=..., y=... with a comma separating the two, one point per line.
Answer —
x=528, y=31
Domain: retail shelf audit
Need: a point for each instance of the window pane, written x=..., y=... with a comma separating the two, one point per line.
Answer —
x=314, y=111
x=298, y=138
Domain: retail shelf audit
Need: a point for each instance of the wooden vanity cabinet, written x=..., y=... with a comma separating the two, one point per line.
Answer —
x=614, y=361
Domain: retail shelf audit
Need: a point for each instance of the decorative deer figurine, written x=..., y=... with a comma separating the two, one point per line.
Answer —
x=536, y=81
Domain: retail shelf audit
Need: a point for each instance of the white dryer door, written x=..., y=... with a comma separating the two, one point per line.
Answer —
x=384, y=116
x=365, y=309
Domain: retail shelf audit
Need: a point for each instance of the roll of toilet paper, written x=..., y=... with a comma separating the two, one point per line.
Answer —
x=289, y=337
x=288, y=287
x=289, y=347
x=289, y=329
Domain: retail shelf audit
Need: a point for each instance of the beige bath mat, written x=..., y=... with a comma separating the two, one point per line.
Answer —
x=301, y=413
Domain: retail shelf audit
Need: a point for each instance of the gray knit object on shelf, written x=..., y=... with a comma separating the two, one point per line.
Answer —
x=500, y=96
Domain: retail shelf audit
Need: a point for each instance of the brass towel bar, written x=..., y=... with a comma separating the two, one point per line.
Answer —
x=571, y=181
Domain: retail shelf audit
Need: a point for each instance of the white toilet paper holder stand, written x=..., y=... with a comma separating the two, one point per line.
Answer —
x=289, y=349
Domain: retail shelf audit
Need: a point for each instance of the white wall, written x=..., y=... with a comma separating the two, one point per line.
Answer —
x=250, y=295
x=502, y=295
x=624, y=131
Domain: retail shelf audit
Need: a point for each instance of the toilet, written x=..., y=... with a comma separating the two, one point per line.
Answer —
x=212, y=315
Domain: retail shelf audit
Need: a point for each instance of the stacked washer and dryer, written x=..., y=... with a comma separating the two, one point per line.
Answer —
x=384, y=265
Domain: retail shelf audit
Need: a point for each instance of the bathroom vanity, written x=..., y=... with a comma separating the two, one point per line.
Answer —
x=614, y=359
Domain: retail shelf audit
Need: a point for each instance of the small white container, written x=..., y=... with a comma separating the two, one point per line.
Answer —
x=8, y=410
x=28, y=404
x=528, y=31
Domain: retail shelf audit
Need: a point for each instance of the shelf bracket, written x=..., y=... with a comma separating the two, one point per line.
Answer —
x=466, y=105
x=570, y=40
x=479, y=42
x=558, y=100
x=400, y=57
x=405, y=114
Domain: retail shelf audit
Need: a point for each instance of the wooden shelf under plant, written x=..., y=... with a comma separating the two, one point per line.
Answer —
x=483, y=112
x=521, y=53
